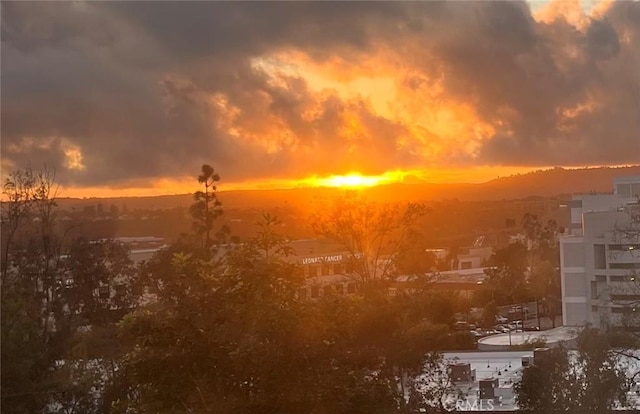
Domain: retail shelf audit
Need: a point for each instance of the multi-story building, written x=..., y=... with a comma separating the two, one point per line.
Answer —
x=330, y=269
x=600, y=257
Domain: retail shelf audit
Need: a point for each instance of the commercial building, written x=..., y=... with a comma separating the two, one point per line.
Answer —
x=600, y=257
x=464, y=282
x=329, y=269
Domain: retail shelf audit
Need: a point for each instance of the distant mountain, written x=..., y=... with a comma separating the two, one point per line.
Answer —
x=543, y=183
x=561, y=181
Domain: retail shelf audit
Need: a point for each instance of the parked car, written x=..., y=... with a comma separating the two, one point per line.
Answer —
x=515, y=325
x=477, y=333
x=501, y=319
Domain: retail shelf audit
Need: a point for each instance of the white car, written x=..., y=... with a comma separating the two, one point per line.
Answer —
x=515, y=325
x=501, y=319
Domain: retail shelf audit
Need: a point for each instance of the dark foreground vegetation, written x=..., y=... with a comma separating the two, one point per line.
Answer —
x=213, y=325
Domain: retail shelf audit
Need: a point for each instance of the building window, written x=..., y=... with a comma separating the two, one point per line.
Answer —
x=601, y=279
x=625, y=297
x=618, y=278
x=624, y=265
x=465, y=265
x=575, y=203
x=624, y=247
x=599, y=256
x=625, y=310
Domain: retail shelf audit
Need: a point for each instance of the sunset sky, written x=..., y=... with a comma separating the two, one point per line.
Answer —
x=132, y=97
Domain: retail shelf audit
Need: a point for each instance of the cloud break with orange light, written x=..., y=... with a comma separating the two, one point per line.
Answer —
x=133, y=96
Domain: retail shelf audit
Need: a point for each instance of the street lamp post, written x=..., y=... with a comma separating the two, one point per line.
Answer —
x=523, y=315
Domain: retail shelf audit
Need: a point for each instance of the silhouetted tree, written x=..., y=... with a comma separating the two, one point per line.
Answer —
x=548, y=386
x=489, y=313
x=434, y=390
x=373, y=234
x=223, y=333
x=592, y=379
x=50, y=289
x=207, y=206
x=507, y=274
x=544, y=285
x=541, y=240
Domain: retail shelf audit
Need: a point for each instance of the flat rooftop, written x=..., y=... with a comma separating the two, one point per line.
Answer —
x=552, y=337
x=505, y=366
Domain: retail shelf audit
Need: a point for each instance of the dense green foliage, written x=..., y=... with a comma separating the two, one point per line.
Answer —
x=229, y=333
x=527, y=270
x=591, y=379
x=59, y=343
x=204, y=326
x=211, y=325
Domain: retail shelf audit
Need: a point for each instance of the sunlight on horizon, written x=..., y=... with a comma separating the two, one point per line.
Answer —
x=351, y=180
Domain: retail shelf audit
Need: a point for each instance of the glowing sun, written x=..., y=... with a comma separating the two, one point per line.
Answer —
x=351, y=180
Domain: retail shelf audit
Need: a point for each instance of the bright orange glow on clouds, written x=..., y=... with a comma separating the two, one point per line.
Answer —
x=353, y=180
x=438, y=126
x=318, y=95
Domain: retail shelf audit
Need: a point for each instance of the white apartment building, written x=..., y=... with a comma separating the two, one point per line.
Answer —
x=600, y=257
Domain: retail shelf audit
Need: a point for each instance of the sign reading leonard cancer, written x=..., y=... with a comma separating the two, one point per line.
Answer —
x=333, y=258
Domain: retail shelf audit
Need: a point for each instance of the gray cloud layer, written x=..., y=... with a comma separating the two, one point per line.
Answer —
x=151, y=90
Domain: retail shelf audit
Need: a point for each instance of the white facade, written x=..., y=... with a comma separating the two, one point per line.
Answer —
x=473, y=257
x=599, y=259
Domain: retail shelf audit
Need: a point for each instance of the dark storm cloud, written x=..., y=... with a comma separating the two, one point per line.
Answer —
x=117, y=79
x=591, y=70
x=205, y=28
x=150, y=90
x=527, y=74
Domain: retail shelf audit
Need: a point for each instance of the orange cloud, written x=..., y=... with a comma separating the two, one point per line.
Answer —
x=316, y=89
x=439, y=126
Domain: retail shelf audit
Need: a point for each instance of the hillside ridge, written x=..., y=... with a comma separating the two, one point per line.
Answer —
x=542, y=183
